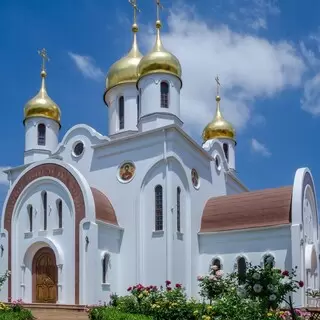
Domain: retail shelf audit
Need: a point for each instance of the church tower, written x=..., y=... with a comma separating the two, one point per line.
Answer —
x=159, y=85
x=41, y=122
x=223, y=131
x=121, y=95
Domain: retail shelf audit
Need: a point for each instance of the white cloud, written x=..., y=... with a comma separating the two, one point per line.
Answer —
x=311, y=98
x=254, y=13
x=260, y=148
x=87, y=66
x=249, y=67
x=3, y=176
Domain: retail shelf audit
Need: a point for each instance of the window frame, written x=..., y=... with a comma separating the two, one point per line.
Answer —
x=41, y=134
x=164, y=95
x=60, y=211
x=225, y=147
x=121, y=112
x=178, y=209
x=105, y=266
x=158, y=197
x=45, y=209
x=30, y=216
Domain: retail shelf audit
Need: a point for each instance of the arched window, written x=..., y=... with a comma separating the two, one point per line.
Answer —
x=226, y=151
x=121, y=112
x=41, y=134
x=138, y=108
x=178, y=209
x=268, y=261
x=30, y=216
x=158, y=208
x=59, y=207
x=45, y=213
x=105, y=266
x=164, y=88
x=242, y=269
x=217, y=262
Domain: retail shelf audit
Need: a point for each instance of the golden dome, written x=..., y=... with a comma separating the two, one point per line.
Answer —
x=125, y=70
x=159, y=60
x=42, y=105
x=218, y=127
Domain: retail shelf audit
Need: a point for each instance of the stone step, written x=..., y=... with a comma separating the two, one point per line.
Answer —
x=54, y=314
x=48, y=311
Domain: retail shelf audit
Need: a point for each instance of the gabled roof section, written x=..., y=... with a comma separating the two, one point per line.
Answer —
x=255, y=209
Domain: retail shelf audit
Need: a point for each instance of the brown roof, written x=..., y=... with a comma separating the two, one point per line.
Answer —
x=269, y=207
x=104, y=208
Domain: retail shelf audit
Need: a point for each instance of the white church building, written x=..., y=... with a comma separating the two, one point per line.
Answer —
x=91, y=215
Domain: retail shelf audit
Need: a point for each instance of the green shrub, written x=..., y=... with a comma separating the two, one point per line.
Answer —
x=110, y=313
x=23, y=314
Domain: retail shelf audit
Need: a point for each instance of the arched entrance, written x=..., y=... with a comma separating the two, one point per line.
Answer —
x=44, y=276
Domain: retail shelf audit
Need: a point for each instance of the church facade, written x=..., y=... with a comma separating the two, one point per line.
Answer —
x=92, y=215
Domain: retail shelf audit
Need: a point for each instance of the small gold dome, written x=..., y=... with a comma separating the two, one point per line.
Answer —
x=42, y=105
x=159, y=60
x=125, y=69
x=218, y=127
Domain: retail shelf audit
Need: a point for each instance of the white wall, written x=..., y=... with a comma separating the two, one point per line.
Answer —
x=129, y=92
x=33, y=151
x=25, y=244
x=109, y=240
x=252, y=244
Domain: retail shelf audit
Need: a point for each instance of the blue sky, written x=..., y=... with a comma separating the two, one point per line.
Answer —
x=266, y=52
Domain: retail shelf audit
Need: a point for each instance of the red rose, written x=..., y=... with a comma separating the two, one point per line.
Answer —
x=169, y=288
x=129, y=289
x=168, y=282
x=301, y=284
x=178, y=285
x=285, y=273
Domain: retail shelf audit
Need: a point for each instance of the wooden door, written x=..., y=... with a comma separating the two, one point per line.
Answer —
x=45, y=277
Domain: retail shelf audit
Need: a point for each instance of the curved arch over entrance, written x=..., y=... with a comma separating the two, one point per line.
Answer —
x=44, y=276
x=64, y=176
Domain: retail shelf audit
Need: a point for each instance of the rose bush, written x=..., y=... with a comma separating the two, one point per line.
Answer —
x=257, y=295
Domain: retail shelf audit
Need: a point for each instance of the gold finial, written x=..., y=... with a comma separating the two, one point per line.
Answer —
x=135, y=11
x=218, y=98
x=44, y=55
x=42, y=105
x=218, y=85
x=159, y=7
x=218, y=127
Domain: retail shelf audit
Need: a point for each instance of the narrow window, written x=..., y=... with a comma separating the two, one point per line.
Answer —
x=242, y=269
x=59, y=214
x=138, y=108
x=164, y=88
x=121, y=112
x=226, y=151
x=216, y=262
x=30, y=214
x=41, y=134
x=158, y=208
x=44, y=203
x=178, y=209
x=105, y=265
x=268, y=261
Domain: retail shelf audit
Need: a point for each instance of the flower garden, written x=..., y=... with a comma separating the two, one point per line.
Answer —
x=262, y=293
x=13, y=310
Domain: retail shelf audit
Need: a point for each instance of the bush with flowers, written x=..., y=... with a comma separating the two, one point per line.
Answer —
x=14, y=310
x=257, y=294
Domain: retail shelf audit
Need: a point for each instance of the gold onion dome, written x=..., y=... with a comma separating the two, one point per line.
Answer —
x=159, y=60
x=125, y=69
x=218, y=127
x=42, y=105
